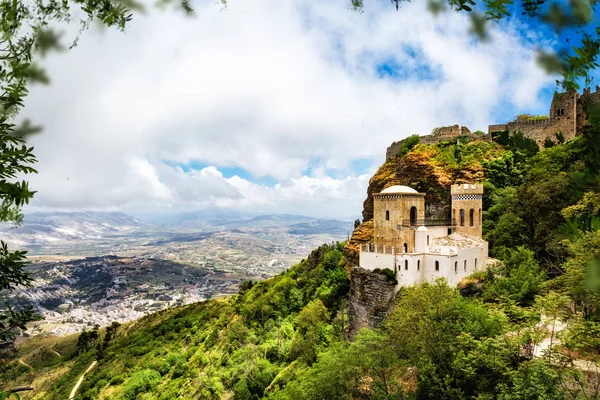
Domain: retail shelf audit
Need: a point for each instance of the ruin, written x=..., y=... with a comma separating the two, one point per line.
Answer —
x=566, y=117
x=564, y=120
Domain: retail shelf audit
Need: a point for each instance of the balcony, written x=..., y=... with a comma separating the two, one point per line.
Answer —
x=429, y=222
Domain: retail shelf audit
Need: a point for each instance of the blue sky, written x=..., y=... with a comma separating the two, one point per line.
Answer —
x=285, y=107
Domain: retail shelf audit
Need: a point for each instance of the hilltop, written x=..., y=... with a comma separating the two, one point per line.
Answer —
x=287, y=337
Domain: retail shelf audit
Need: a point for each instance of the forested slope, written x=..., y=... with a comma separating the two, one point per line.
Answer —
x=285, y=338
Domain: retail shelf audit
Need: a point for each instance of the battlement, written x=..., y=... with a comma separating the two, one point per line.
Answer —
x=466, y=188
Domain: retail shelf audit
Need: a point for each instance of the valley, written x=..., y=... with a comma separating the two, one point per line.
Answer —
x=95, y=268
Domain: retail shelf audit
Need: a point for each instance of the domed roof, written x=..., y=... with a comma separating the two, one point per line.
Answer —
x=399, y=189
x=422, y=229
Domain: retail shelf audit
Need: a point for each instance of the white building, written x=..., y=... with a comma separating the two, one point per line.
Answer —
x=422, y=250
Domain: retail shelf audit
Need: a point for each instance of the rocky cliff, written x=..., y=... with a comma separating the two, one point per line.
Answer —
x=371, y=296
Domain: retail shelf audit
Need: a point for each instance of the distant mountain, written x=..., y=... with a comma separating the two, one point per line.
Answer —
x=218, y=219
x=270, y=221
x=56, y=226
x=322, y=226
x=202, y=218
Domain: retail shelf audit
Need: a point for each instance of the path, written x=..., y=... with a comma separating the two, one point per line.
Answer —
x=553, y=328
x=25, y=364
x=52, y=349
x=80, y=381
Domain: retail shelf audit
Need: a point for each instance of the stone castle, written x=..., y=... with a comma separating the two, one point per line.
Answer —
x=566, y=117
x=422, y=250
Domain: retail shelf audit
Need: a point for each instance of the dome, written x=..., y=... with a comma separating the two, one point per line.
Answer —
x=399, y=189
x=422, y=229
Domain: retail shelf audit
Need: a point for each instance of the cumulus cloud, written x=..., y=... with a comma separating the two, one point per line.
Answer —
x=295, y=91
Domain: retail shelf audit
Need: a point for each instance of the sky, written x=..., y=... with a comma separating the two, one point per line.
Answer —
x=269, y=107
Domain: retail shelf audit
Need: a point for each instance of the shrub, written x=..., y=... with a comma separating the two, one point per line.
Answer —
x=388, y=273
x=140, y=382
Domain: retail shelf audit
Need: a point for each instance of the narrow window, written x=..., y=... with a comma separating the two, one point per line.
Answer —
x=456, y=267
x=418, y=265
x=413, y=216
x=475, y=263
x=454, y=216
x=465, y=265
x=387, y=215
x=480, y=221
x=405, y=248
x=406, y=265
x=427, y=240
x=471, y=217
x=462, y=217
x=437, y=265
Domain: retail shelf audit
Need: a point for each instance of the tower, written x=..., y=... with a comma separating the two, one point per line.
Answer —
x=397, y=212
x=467, y=200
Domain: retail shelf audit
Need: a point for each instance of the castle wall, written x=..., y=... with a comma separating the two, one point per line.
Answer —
x=372, y=260
x=539, y=130
x=453, y=267
x=414, y=274
x=439, y=135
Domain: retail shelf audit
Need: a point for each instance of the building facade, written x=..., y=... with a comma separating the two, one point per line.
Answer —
x=422, y=250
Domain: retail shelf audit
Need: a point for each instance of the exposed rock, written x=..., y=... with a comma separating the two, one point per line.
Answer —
x=371, y=296
x=362, y=234
x=425, y=169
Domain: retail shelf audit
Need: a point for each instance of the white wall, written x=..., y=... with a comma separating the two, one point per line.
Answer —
x=373, y=260
x=414, y=274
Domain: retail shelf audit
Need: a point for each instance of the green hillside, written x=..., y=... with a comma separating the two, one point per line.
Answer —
x=285, y=338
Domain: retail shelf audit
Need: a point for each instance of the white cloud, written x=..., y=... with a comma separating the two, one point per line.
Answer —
x=269, y=87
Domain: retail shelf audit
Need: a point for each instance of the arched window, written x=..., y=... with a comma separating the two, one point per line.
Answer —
x=387, y=215
x=427, y=240
x=437, y=265
x=462, y=217
x=465, y=265
x=413, y=215
x=418, y=265
x=405, y=248
x=471, y=217
x=475, y=263
x=406, y=265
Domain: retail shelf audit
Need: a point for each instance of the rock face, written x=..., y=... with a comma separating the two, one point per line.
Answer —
x=363, y=234
x=371, y=296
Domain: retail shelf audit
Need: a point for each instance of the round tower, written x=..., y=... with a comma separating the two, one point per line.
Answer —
x=397, y=212
x=467, y=201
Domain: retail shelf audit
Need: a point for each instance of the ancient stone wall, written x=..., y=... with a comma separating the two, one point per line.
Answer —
x=539, y=130
x=371, y=297
x=438, y=135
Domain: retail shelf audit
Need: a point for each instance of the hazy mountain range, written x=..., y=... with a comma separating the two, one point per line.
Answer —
x=51, y=227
